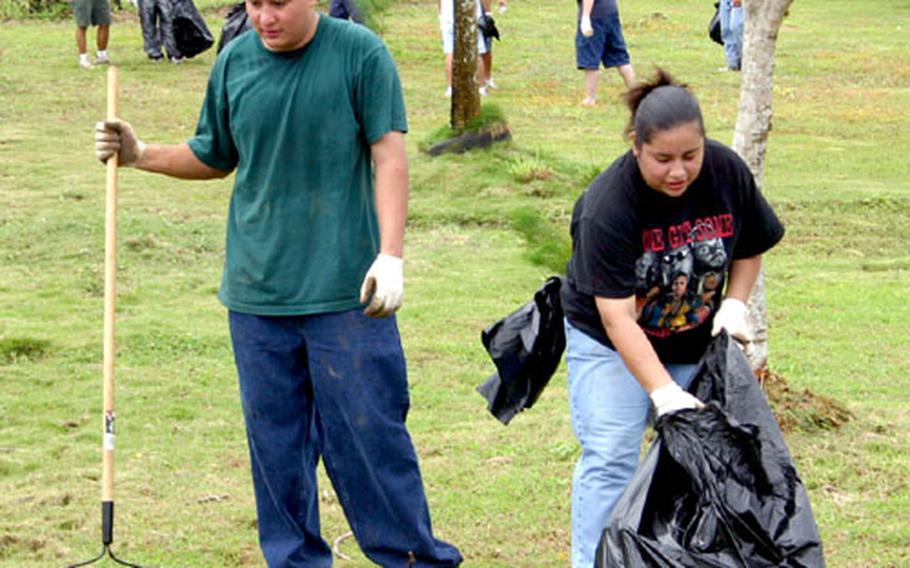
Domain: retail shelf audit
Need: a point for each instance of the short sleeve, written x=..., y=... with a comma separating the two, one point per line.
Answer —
x=379, y=100
x=606, y=246
x=213, y=143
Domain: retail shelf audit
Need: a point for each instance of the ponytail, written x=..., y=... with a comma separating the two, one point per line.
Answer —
x=660, y=104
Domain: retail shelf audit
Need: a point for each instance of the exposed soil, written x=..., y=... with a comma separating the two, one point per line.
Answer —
x=801, y=410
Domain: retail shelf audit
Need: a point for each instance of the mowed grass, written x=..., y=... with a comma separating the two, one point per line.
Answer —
x=485, y=230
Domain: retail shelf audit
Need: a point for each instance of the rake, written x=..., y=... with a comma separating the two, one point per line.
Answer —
x=110, y=294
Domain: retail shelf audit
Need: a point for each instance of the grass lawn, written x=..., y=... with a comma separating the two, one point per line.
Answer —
x=485, y=230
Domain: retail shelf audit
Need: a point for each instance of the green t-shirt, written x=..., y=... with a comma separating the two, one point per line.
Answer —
x=297, y=126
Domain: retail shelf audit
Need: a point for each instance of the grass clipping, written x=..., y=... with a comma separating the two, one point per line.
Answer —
x=801, y=410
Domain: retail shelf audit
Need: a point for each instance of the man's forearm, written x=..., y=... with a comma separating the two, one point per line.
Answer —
x=392, y=208
x=391, y=187
x=176, y=160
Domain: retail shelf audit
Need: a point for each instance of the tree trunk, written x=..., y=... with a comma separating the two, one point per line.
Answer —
x=753, y=124
x=465, y=97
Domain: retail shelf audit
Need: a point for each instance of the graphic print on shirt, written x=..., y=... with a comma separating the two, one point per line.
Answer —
x=680, y=275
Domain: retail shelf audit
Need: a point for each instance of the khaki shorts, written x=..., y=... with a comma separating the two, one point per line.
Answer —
x=91, y=12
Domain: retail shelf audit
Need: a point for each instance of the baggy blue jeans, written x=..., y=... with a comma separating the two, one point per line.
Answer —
x=731, y=31
x=609, y=413
x=332, y=386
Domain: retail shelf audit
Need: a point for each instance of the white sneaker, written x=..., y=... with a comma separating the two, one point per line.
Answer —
x=449, y=92
x=490, y=83
x=102, y=60
x=85, y=63
x=483, y=91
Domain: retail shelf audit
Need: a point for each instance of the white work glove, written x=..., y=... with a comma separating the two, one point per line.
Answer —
x=113, y=136
x=732, y=317
x=671, y=397
x=385, y=283
x=586, y=29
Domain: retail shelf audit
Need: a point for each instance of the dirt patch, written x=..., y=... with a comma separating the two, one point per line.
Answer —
x=801, y=410
x=9, y=542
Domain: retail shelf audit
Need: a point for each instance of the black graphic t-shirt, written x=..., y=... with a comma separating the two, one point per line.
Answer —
x=671, y=253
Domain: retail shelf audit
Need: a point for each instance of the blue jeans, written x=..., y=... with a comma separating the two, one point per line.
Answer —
x=609, y=412
x=332, y=386
x=731, y=31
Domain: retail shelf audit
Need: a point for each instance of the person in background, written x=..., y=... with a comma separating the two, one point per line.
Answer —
x=486, y=57
x=92, y=13
x=599, y=40
x=634, y=231
x=446, y=9
x=344, y=10
x=309, y=114
x=731, y=31
x=157, y=30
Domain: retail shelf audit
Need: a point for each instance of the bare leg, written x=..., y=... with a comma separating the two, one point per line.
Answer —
x=627, y=74
x=80, y=39
x=449, y=58
x=487, y=59
x=591, y=78
x=104, y=34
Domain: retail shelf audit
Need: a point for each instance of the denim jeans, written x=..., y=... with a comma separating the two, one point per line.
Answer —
x=607, y=46
x=731, y=31
x=332, y=386
x=609, y=412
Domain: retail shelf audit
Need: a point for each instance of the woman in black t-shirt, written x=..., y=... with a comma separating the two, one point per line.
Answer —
x=656, y=238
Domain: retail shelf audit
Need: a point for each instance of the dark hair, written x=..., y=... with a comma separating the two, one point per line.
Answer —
x=660, y=104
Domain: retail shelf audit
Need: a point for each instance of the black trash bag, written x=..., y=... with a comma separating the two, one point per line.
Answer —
x=718, y=487
x=487, y=26
x=714, y=26
x=235, y=24
x=191, y=34
x=526, y=346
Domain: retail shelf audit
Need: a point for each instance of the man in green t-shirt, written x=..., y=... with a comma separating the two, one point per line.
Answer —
x=309, y=114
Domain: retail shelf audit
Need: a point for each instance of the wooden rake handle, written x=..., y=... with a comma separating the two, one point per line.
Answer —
x=110, y=297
